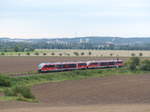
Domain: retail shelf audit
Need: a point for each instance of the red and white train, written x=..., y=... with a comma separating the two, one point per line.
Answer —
x=63, y=66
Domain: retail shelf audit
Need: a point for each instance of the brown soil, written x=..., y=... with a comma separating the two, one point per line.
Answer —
x=91, y=108
x=9, y=64
x=109, y=90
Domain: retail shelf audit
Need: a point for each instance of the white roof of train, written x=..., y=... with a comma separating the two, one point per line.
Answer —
x=80, y=62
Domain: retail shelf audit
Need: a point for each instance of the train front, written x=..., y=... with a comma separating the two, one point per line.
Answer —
x=40, y=66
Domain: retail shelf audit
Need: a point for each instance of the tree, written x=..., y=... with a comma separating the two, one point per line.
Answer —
x=82, y=53
x=2, y=53
x=68, y=54
x=52, y=53
x=28, y=53
x=111, y=54
x=44, y=54
x=90, y=53
x=60, y=54
x=5, y=50
x=19, y=54
x=141, y=54
x=145, y=65
x=133, y=63
x=36, y=53
x=16, y=49
x=132, y=54
x=76, y=53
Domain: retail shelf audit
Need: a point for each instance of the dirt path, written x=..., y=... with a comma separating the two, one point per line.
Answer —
x=97, y=108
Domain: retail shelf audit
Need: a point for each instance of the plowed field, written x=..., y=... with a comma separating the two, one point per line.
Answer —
x=108, y=94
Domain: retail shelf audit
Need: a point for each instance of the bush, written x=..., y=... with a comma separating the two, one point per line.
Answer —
x=28, y=53
x=82, y=53
x=68, y=54
x=44, y=54
x=111, y=54
x=132, y=67
x=140, y=54
x=133, y=63
x=2, y=53
x=60, y=54
x=90, y=53
x=135, y=60
x=19, y=91
x=5, y=81
x=36, y=53
x=19, y=54
x=145, y=65
x=52, y=53
x=76, y=53
x=133, y=54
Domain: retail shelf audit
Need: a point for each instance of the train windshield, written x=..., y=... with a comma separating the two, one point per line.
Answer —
x=41, y=65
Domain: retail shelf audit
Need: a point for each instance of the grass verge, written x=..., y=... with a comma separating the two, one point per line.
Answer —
x=18, y=88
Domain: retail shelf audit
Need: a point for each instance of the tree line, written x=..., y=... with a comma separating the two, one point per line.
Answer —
x=31, y=46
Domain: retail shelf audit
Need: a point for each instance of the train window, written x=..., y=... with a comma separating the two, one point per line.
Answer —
x=69, y=65
x=111, y=63
x=104, y=63
x=59, y=66
x=49, y=66
x=119, y=62
x=72, y=65
x=45, y=66
x=65, y=66
x=40, y=66
x=93, y=63
x=82, y=64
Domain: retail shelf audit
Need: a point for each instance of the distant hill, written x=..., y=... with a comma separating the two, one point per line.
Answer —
x=93, y=40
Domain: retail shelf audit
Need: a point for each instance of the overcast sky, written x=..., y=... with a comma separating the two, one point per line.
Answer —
x=70, y=18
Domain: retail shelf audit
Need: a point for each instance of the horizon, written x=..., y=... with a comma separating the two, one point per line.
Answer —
x=74, y=18
x=73, y=37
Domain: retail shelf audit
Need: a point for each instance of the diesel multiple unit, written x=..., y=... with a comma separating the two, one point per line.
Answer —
x=64, y=66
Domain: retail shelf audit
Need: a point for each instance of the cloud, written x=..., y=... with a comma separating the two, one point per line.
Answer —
x=68, y=16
